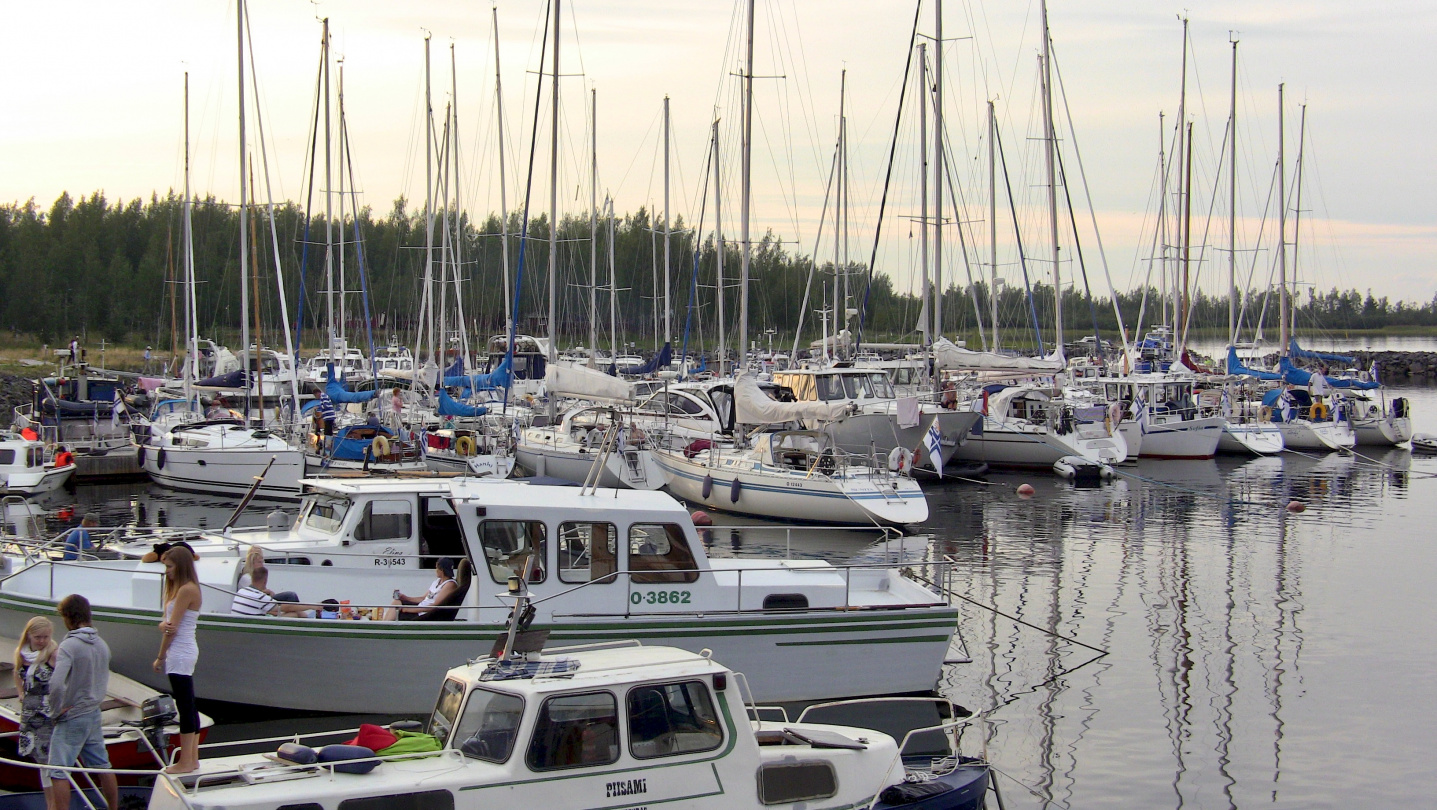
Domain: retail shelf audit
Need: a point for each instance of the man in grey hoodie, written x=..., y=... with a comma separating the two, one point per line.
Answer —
x=77, y=688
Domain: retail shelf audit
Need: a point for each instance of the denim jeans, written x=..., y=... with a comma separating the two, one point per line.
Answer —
x=77, y=737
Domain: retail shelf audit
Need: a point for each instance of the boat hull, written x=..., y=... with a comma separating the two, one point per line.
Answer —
x=1004, y=446
x=1246, y=439
x=631, y=469
x=38, y=482
x=393, y=667
x=480, y=465
x=1188, y=438
x=1383, y=431
x=1320, y=436
x=877, y=432
x=227, y=472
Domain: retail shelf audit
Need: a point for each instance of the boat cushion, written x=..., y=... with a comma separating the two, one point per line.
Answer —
x=349, y=758
x=296, y=753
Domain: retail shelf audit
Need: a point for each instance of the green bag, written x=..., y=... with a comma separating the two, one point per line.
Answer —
x=411, y=742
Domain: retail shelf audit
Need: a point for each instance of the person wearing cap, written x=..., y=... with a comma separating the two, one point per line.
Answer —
x=409, y=608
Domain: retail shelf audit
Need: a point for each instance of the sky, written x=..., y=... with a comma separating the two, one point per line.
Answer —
x=94, y=102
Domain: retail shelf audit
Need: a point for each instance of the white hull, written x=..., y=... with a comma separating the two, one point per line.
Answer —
x=877, y=432
x=1187, y=438
x=1132, y=433
x=630, y=469
x=482, y=465
x=37, y=482
x=1015, y=446
x=1321, y=436
x=793, y=494
x=1246, y=438
x=227, y=472
x=1383, y=431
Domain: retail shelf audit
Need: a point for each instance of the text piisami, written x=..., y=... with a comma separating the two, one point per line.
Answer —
x=626, y=787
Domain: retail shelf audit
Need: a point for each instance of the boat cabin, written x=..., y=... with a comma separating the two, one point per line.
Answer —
x=837, y=384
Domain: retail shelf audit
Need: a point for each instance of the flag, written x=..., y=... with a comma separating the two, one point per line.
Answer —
x=933, y=444
x=115, y=410
x=1373, y=372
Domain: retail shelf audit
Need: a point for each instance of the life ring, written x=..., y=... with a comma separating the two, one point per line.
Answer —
x=160, y=459
x=466, y=446
x=1318, y=412
x=708, y=486
x=900, y=460
x=379, y=448
x=734, y=489
x=140, y=456
x=1264, y=414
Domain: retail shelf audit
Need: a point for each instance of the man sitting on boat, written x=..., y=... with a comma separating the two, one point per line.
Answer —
x=255, y=599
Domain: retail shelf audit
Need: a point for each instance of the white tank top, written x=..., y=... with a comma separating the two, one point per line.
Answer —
x=184, y=651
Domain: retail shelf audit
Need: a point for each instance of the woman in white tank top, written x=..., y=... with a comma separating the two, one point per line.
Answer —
x=179, y=651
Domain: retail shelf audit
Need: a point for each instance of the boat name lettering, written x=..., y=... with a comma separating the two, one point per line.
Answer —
x=660, y=597
x=626, y=787
x=392, y=557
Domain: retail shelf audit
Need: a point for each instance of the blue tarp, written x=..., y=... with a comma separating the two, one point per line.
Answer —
x=339, y=393
x=1298, y=376
x=658, y=361
x=344, y=448
x=1297, y=351
x=1235, y=367
x=449, y=406
x=234, y=379
x=500, y=377
x=456, y=369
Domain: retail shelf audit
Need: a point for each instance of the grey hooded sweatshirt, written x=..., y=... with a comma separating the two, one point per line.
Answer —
x=82, y=673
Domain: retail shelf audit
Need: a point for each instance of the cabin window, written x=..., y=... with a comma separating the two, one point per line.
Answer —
x=574, y=731
x=419, y=800
x=789, y=782
x=490, y=725
x=659, y=552
x=326, y=513
x=587, y=552
x=881, y=387
x=7, y=456
x=446, y=709
x=302, y=806
x=672, y=718
x=36, y=457
x=439, y=533
x=385, y=520
x=828, y=386
x=680, y=405
x=508, y=545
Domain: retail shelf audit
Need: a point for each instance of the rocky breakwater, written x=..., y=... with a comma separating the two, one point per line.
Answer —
x=1394, y=366
x=13, y=391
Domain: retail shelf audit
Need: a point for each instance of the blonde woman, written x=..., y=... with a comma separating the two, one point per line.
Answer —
x=34, y=663
x=179, y=651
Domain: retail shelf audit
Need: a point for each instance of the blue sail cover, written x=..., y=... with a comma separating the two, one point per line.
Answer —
x=1298, y=376
x=500, y=377
x=658, y=361
x=1236, y=368
x=338, y=393
x=449, y=406
x=455, y=369
x=234, y=379
x=345, y=448
x=1304, y=354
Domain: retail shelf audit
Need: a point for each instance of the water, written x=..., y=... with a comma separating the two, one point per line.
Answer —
x=1253, y=656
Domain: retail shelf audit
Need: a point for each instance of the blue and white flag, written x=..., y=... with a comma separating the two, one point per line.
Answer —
x=933, y=443
x=1372, y=372
x=115, y=410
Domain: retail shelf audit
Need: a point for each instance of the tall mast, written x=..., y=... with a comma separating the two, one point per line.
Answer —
x=668, y=232
x=1187, y=241
x=1050, y=138
x=554, y=202
x=328, y=187
x=926, y=327
x=191, y=353
x=747, y=172
x=993, y=221
x=1281, y=229
x=244, y=195
x=1232, y=210
x=938, y=169
x=718, y=243
x=340, y=322
x=427, y=306
x=1178, y=161
x=593, y=225
x=613, y=291
x=458, y=213
x=503, y=190
x=840, y=272
x=1162, y=237
x=1297, y=213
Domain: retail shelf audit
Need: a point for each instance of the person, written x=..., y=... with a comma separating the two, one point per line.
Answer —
x=396, y=406
x=179, y=652
x=77, y=540
x=156, y=553
x=74, y=349
x=34, y=664
x=326, y=412
x=256, y=599
x=217, y=409
x=77, y=687
x=63, y=457
x=147, y=359
x=372, y=420
x=408, y=608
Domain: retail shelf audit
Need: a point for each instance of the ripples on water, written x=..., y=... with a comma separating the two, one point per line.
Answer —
x=1254, y=656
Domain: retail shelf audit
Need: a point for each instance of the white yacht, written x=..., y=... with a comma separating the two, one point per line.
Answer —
x=1033, y=425
x=588, y=443
x=1167, y=415
x=221, y=456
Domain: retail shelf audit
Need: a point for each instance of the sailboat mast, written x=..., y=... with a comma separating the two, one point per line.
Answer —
x=718, y=244
x=554, y=201
x=426, y=308
x=328, y=186
x=342, y=319
x=1050, y=137
x=993, y=221
x=668, y=233
x=927, y=308
x=613, y=292
x=938, y=170
x=1178, y=161
x=1232, y=210
x=593, y=225
x=244, y=196
x=1281, y=229
x=191, y=358
x=1297, y=213
x=503, y=189
x=840, y=275
x=458, y=215
x=1187, y=241
x=746, y=193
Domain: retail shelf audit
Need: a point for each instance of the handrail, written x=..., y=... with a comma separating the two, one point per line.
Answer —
x=898, y=755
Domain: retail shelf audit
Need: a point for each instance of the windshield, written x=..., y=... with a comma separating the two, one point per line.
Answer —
x=446, y=710
x=490, y=725
x=882, y=388
x=857, y=386
x=829, y=388
x=325, y=513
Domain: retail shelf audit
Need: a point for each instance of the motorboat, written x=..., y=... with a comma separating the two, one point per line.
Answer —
x=24, y=469
x=222, y=456
x=1379, y=422
x=76, y=408
x=1424, y=443
x=610, y=726
x=610, y=565
x=1168, y=415
x=349, y=363
x=1081, y=470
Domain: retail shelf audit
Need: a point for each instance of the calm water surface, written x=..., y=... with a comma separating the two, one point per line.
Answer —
x=1254, y=657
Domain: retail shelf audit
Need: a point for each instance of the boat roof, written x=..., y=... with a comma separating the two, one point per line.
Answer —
x=598, y=669
x=500, y=491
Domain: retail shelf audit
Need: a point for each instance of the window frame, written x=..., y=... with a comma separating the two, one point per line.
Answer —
x=661, y=576
x=368, y=513
x=539, y=718
x=712, y=706
x=542, y=551
x=559, y=552
x=464, y=711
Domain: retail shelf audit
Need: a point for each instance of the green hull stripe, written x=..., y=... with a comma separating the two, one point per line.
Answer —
x=886, y=640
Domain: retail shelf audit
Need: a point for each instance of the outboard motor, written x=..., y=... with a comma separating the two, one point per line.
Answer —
x=156, y=713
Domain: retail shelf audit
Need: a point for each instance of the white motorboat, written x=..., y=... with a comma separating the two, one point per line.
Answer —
x=349, y=363
x=875, y=421
x=1172, y=424
x=1030, y=425
x=24, y=470
x=613, y=564
x=610, y=726
x=222, y=456
x=591, y=436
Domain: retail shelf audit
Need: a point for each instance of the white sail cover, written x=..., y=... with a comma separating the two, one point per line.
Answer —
x=753, y=407
x=949, y=356
x=586, y=383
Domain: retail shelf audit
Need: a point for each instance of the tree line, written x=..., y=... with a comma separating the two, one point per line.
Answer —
x=104, y=270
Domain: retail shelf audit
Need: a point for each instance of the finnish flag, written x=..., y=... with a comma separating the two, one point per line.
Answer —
x=933, y=443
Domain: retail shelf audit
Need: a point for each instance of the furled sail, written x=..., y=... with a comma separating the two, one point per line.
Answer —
x=337, y=392
x=753, y=407
x=948, y=355
x=587, y=383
